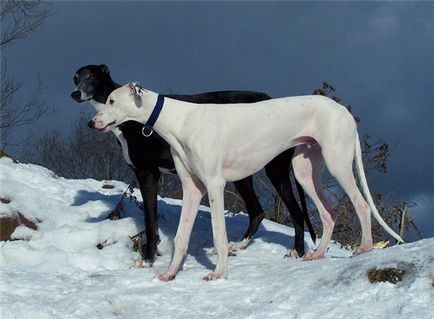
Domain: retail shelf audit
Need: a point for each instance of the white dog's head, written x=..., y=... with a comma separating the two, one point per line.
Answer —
x=123, y=104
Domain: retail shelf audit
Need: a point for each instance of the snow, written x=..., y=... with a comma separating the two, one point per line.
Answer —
x=57, y=271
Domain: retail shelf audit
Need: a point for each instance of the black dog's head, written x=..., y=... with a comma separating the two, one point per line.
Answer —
x=92, y=82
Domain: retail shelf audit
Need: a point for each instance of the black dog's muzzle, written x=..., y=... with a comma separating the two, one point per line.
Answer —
x=76, y=95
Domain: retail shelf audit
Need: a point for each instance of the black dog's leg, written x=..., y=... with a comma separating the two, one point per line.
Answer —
x=148, y=183
x=278, y=173
x=254, y=209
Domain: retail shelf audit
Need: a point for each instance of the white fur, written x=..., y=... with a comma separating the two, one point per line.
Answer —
x=99, y=107
x=212, y=144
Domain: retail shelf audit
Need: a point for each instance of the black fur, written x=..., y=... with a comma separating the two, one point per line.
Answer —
x=150, y=154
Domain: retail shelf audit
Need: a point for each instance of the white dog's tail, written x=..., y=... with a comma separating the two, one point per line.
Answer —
x=366, y=192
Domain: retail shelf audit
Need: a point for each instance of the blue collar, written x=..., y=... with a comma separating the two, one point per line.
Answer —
x=147, y=129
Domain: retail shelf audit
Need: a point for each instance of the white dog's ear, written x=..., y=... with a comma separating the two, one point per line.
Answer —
x=132, y=88
x=136, y=88
x=137, y=91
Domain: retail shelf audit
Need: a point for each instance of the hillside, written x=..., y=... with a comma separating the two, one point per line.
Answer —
x=57, y=271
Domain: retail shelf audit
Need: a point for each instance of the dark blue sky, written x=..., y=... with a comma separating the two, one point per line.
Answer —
x=379, y=56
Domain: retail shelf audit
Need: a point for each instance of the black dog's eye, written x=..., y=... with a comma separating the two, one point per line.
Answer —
x=76, y=79
x=111, y=101
x=91, y=77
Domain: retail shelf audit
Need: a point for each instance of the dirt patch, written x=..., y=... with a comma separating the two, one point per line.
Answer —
x=7, y=227
x=9, y=224
x=4, y=154
x=392, y=275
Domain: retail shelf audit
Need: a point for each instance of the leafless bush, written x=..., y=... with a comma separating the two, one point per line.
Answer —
x=14, y=113
x=82, y=154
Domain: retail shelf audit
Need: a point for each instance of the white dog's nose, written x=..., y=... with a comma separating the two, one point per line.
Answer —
x=91, y=124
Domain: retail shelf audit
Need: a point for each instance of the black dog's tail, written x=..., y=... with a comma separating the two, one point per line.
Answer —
x=304, y=209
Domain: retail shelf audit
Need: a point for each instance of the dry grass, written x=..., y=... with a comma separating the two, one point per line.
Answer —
x=392, y=275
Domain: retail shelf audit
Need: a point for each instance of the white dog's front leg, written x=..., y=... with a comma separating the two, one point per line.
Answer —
x=193, y=191
x=216, y=199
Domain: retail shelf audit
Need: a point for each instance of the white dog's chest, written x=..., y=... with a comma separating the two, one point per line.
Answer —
x=239, y=163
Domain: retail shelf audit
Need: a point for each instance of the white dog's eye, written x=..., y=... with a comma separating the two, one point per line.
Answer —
x=111, y=101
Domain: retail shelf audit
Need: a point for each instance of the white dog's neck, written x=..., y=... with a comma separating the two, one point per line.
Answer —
x=172, y=117
x=99, y=107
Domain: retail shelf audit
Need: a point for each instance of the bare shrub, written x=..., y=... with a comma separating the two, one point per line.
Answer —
x=82, y=154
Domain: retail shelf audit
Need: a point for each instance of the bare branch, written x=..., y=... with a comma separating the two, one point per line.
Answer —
x=19, y=18
x=13, y=113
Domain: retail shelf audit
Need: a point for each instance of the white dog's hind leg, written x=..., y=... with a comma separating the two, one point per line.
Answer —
x=216, y=199
x=308, y=167
x=340, y=167
x=193, y=191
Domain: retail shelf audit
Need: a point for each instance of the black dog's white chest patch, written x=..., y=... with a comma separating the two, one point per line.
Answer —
x=167, y=170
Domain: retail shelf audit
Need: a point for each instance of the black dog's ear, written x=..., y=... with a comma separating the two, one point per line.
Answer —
x=104, y=68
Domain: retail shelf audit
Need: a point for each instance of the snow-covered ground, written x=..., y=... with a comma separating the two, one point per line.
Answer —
x=57, y=271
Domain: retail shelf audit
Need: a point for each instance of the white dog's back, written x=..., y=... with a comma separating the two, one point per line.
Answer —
x=235, y=132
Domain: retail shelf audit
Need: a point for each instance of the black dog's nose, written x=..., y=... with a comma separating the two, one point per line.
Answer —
x=90, y=124
x=76, y=95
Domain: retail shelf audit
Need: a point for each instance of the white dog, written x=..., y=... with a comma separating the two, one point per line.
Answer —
x=212, y=144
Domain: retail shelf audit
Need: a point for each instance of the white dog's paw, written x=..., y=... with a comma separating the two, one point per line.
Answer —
x=213, y=276
x=167, y=276
x=361, y=250
x=140, y=263
x=314, y=255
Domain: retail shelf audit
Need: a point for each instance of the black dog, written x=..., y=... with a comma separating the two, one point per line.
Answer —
x=147, y=155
